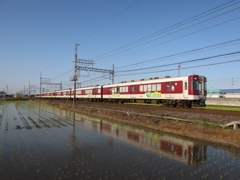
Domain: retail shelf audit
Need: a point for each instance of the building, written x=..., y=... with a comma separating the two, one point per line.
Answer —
x=2, y=94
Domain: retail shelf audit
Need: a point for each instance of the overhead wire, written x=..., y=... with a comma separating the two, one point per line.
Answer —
x=183, y=62
x=226, y=43
x=109, y=21
x=63, y=74
x=165, y=32
x=226, y=62
x=182, y=36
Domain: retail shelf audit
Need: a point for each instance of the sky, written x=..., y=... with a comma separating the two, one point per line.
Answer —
x=141, y=38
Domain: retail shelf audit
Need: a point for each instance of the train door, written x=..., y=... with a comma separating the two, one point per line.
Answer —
x=133, y=90
x=94, y=93
x=111, y=92
x=185, y=89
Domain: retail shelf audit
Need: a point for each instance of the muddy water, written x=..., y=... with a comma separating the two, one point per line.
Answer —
x=41, y=142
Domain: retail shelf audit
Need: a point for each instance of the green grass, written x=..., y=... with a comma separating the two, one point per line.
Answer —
x=145, y=104
x=16, y=99
x=233, y=108
x=212, y=126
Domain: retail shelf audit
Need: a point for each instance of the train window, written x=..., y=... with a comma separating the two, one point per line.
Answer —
x=95, y=91
x=154, y=87
x=99, y=90
x=145, y=88
x=117, y=89
x=195, y=85
x=185, y=85
x=159, y=87
x=170, y=86
x=134, y=88
x=124, y=89
x=141, y=88
x=83, y=91
x=149, y=87
x=109, y=90
x=89, y=91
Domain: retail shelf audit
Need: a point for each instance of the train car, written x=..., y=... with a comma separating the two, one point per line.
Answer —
x=184, y=91
x=91, y=93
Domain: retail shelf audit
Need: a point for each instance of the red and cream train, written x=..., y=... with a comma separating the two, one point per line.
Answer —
x=186, y=91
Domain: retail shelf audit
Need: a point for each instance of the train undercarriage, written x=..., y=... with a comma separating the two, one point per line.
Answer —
x=167, y=102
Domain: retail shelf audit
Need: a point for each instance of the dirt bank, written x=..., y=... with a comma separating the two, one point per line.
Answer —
x=160, y=120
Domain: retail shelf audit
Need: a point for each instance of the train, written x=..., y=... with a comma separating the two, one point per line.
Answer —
x=183, y=91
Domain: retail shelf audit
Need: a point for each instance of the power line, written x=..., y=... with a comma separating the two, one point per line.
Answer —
x=108, y=22
x=63, y=74
x=181, y=68
x=167, y=31
x=181, y=53
x=183, y=62
x=185, y=35
x=182, y=36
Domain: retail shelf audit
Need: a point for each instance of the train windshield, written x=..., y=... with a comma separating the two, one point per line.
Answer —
x=195, y=85
x=200, y=85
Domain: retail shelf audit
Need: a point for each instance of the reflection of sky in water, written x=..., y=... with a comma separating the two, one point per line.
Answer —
x=62, y=144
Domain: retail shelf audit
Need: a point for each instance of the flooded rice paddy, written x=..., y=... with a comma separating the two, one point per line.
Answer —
x=42, y=142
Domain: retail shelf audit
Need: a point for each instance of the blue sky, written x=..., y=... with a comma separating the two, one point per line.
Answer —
x=40, y=36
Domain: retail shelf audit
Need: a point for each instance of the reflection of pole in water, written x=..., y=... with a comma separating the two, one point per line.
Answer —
x=73, y=139
x=101, y=125
x=73, y=117
x=39, y=114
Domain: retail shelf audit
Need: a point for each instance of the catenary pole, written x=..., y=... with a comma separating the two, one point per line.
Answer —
x=75, y=75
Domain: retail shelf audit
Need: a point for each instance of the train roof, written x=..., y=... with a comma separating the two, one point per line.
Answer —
x=154, y=78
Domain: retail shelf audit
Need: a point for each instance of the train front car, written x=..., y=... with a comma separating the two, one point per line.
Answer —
x=197, y=91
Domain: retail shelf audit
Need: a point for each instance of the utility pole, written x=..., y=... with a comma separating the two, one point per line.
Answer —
x=232, y=83
x=179, y=70
x=75, y=75
x=113, y=74
x=46, y=81
x=40, y=85
x=84, y=67
x=29, y=89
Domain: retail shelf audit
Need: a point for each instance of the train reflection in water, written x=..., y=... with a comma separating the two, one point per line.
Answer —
x=172, y=147
x=179, y=149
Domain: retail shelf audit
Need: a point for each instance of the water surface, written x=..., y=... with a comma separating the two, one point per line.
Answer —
x=42, y=142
